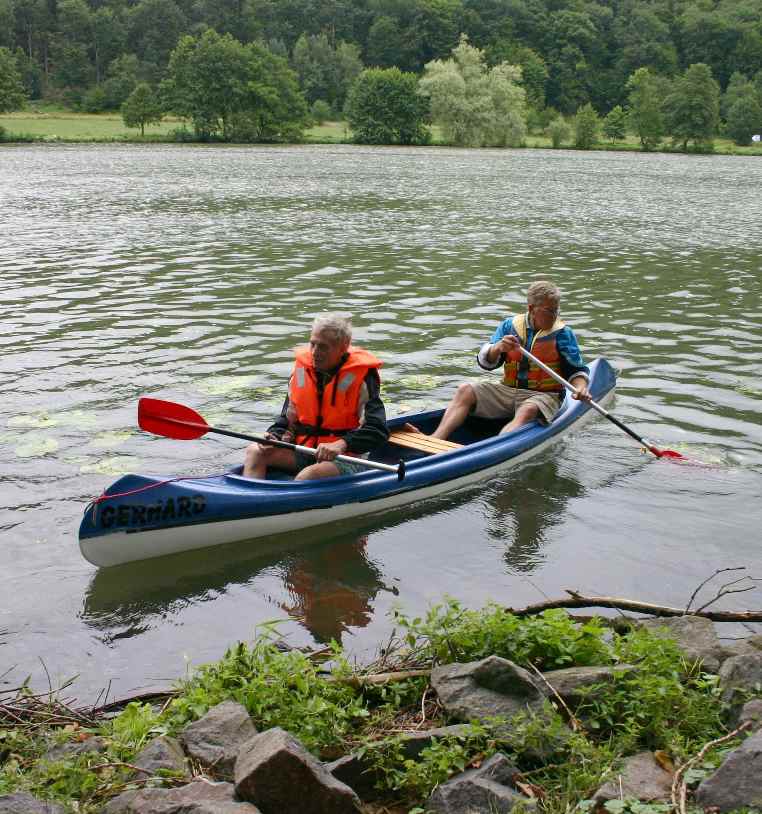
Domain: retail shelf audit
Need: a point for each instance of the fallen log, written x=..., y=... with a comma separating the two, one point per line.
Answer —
x=578, y=600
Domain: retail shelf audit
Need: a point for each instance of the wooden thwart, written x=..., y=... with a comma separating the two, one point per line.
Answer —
x=424, y=443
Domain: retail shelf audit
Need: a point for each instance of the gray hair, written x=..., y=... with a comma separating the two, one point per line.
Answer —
x=543, y=291
x=336, y=324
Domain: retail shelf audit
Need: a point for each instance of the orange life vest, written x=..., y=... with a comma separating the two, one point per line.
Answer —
x=328, y=419
x=543, y=347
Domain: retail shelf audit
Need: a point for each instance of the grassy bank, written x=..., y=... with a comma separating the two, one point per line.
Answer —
x=50, y=124
x=663, y=705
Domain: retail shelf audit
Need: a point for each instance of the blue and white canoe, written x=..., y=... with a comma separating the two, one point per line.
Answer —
x=155, y=516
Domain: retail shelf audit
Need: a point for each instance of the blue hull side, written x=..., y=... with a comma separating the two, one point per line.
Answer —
x=161, y=503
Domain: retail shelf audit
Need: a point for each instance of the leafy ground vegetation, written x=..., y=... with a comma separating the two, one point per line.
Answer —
x=667, y=706
x=52, y=124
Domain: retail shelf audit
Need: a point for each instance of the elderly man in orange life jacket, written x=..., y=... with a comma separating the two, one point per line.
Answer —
x=526, y=392
x=333, y=404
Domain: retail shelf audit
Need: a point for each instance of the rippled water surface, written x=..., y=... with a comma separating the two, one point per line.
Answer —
x=190, y=273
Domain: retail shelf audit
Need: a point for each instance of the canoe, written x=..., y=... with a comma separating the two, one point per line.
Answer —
x=140, y=517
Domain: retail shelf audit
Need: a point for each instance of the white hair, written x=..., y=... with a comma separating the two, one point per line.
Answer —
x=336, y=324
x=543, y=291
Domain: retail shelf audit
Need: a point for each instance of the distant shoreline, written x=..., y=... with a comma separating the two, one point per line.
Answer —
x=69, y=127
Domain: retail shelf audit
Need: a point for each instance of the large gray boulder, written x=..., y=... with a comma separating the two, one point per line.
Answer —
x=738, y=781
x=496, y=691
x=751, y=712
x=486, y=690
x=739, y=676
x=639, y=778
x=215, y=739
x=162, y=753
x=198, y=797
x=22, y=802
x=276, y=773
x=486, y=790
x=695, y=636
x=751, y=644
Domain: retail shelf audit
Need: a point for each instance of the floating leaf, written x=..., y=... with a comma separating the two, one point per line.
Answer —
x=37, y=421
x=409, y=406
x=78, y=418
x=419, y=381
x=217, y=416
x=107, y=440
x=35, y=446
x=224, y=385
x=116, y=465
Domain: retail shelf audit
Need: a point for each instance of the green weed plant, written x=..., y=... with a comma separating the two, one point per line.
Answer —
x=663, y=703
x=450, y=633
x=277, y=688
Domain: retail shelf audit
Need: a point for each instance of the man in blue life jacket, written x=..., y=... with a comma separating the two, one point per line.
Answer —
x=526, y=392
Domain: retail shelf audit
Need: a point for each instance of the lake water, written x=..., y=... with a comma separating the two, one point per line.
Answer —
x=190, y=273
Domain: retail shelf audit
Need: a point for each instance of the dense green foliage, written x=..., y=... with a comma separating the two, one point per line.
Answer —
x=384, y=107
x=692, y=109
x=234, y=91
x=586, y=126
x=559, y=131
x=614, y=125
x=12, y=92
x=141, y=107
x=475, y=106
x=645, y=104
x=662, y=703
x=571, y=51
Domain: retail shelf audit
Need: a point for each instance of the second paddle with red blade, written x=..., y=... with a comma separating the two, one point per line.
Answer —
x=174, y=420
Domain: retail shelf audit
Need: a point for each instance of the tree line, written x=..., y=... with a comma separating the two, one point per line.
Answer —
x=94, y=54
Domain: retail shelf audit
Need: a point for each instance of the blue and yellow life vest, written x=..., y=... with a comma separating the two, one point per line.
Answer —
x=544, y=347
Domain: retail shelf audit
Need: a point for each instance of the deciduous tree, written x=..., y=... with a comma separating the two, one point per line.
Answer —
x=744, y=117
x=142, y=107
x=692, y=109
x=586, y=124
x=234, y=91
x=384, y=107
x=645, y=116
x=12, y=93
x=325, y=71
x=558, y=131
x=474, y=105
x=615, y=124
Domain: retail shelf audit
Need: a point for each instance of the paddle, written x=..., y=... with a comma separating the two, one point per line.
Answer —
x=177, y=421
x=659, y=453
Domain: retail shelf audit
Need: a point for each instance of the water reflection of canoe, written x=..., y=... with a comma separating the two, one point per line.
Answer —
x=161, y=516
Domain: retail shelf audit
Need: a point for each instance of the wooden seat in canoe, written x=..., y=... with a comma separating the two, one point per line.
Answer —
x=421, y=442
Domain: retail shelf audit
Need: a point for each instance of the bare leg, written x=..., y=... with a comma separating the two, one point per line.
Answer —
x=260, y=456
x=457, y=411
x=527, y=412
x=325, y=469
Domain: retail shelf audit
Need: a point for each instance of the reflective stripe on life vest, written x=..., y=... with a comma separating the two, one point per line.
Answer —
x=328, y=419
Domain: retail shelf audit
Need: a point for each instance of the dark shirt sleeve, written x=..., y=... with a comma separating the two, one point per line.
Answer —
x=373, y=432
x=572, y=363
x=280, y=425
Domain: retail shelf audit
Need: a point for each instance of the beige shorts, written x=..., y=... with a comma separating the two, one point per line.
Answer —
x=497, y=400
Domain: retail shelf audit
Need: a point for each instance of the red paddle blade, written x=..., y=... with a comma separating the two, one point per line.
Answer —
x=670, y=453
x=170, y=419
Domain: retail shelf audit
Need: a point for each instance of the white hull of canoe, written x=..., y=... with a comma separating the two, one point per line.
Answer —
x=120, y=547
